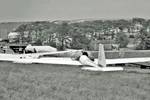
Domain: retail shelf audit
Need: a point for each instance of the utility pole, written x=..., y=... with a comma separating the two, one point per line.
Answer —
x=20, y=39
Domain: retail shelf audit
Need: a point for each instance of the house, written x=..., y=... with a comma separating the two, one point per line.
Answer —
x=108, y=44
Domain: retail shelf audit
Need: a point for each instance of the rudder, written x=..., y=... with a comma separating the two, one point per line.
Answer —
x=101, y=56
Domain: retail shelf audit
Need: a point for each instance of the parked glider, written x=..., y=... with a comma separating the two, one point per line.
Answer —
x=98, y=65
x=101, y=61
x=36, y=49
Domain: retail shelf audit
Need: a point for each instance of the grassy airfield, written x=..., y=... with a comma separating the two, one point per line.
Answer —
x=50, y=82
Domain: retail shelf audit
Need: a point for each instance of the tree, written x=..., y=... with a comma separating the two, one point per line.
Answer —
x=138, y=20
x=79, y=40
x=143, y=39
x=21, y=29
x=63, y=34
x=122, y=39
x=38, y=42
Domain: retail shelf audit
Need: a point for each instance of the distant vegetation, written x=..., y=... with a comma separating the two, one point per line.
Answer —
x=7, y=27
x=85, y=33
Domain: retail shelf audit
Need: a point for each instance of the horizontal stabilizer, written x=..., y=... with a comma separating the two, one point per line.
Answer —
x=103, y=69
x=127, y=60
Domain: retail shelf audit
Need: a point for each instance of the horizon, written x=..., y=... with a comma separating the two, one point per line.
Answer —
x=86, y=19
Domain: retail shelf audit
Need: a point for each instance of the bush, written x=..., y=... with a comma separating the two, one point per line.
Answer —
x=122, y=39
x=38, y=42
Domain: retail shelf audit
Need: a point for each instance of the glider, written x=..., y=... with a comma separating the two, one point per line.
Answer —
x=100, y=63
x=36, y=49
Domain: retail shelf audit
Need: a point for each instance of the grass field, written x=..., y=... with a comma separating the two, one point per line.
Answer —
x=49, y=82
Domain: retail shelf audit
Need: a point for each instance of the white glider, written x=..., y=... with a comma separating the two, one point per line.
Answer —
x=99, y=64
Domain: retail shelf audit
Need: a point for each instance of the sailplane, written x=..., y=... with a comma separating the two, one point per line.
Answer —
x=99, y=64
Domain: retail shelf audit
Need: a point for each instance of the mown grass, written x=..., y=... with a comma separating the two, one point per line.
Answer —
x=49, y=82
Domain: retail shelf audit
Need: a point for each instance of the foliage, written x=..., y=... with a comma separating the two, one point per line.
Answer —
x=80, y=34
x=122, y=39
x=63, y=34
x=38, y=42
x=138, y=20
x=143, y=39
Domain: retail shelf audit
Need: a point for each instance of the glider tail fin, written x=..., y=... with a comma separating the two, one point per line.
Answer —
x=101, y=56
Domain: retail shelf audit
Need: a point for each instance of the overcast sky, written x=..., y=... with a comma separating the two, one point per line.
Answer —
x=29, y=10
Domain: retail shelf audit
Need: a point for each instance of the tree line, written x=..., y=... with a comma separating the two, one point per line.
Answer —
x=70, y=34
